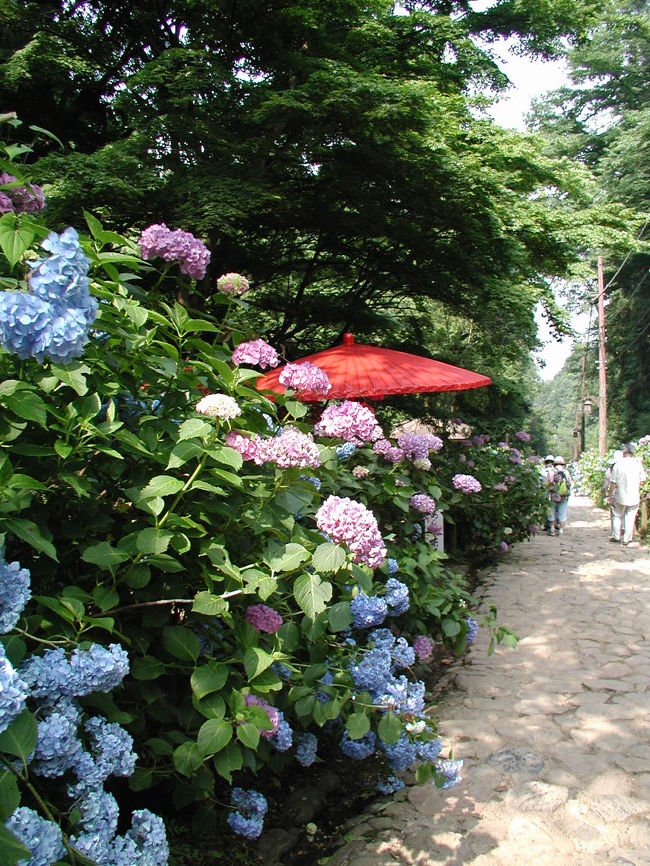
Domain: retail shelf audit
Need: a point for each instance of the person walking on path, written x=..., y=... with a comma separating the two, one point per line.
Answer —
x=560, y=492
x=548, y=471
x=624, y=494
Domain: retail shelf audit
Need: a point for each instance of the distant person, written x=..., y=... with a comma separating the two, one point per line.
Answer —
x=624, y=493
x=606, y=497
x=547, y=473
x=560, y=492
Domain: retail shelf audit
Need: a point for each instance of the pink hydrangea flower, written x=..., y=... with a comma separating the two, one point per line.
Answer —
x=257, y=353
x=522, y=436
x=263, y=618
x=351, y=523
x=466, y=483
x=159, y=242
x=417, y=447
x=500, y=487
x=423, y=648
x=271, y=712
x=423, y=463
x=233, y=284
x=388, y=451
x=305, y=378
x=349, y=421
x=247, y=447
x=293, y=448
x=218, y=406
x=360, y=472
x=423, y=503
x=503, y=546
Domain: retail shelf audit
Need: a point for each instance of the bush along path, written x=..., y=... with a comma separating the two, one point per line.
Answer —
x=202, y=590
x=554, y=735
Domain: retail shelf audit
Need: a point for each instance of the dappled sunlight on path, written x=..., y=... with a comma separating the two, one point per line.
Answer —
x=555, y=735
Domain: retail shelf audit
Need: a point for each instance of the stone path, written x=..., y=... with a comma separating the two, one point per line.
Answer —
x=555, y=735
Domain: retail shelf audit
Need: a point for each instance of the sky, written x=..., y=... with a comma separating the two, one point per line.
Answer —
x=532, y=78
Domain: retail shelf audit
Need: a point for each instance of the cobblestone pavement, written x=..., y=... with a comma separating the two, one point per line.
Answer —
x=555, y=734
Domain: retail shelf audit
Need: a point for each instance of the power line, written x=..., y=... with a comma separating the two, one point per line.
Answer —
x=623, y=263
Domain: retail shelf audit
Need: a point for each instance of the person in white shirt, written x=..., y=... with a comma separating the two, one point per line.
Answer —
x=627, y=477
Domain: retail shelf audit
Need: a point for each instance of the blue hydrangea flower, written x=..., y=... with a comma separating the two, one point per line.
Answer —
x=282, y=739
x=402, y=654
x=428, y=752
x=58, y=746
x=402, y=696
x=145, y=844
x=13, y=692
x=373, y=673
x=401, y=754
x=248, y=818
x=112, y=747
x=393, y=565
x=359, y=749
x=472, y=630
x=306, y=749
x=97, y=669
x=368, y=611
x=43, y=838
x=451, y=771
x=382, y=638
x=344, y=452
x=62, y=277
x=281, y=671
x=312, y=480
x=389, y=784
x=99, y=817
x=25, y=325
x=326, y=680
x=15, y=592
x=397, y=597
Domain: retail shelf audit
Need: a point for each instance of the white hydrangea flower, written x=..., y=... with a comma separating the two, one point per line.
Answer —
x=218, y=406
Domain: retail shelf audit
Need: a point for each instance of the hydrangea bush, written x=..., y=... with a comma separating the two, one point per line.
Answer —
x=197, y=608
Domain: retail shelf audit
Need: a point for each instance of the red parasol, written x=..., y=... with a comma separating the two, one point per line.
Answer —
x=358, y=371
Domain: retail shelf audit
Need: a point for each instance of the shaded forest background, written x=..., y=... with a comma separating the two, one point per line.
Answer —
x=339, y=153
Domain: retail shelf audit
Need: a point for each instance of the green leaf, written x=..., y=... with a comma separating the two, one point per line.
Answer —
x=16, y=237
x=20, y=737
x=94, y=225
x=194, y=428
x=214, y=735
x=9, y=795
x=27, y=405
x=228, y=760
x=141, y=778
x=184, y=451
x=256, y=660
x=328, y=558
x=227, y=456
x=296, y=409
x=104, y=556
x=285, y=557
x=450, y=627
x=187, y=758
x=389, y=728
x=105, y=597
x=73, y=376
x=147, y=668
x=29, y=532
x=208, y=678
x=181, y=642
x=357, y=725
x=63, y=449
x=312, y=594
x=248, y=734
x=208, y=604
x=159, y=486
x=13, y=851
x=153, y=540
x=340, y=616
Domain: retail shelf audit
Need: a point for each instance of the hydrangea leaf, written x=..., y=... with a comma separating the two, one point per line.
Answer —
x=213, y=736
x=194, y=428
x=228, y=760
x=208, y=678
x=16, y=237
x=208, y=604
x=389, y=728
x=147, y=668
x=9, y=795
x=153, y=540
x=20, y=737
x=104, y=556
x=328, y=558
x=27, y=405
x=357, y=725
x=340, y=616
x=248, y=734
x=187, y=758
x=285, y=557
x=256, y=660
x=312, y=594
x=181, y=643
x=161, y=485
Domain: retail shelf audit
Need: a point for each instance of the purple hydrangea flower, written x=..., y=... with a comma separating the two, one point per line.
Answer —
x=282, y=739
x=273, y=714
x=472, y=630
x=522, y=436
x=423, y=648
x=20, y=199
x=160, y=242
x=466, y=483
x=503, y=547
x=263, y=618
x=423, y=503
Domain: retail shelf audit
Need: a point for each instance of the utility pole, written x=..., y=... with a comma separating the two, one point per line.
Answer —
x=602, y=368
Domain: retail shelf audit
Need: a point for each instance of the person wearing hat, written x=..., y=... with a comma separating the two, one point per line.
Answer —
x=548, y=471
x=560, y=492
x=608, y=477
x=624, y=494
